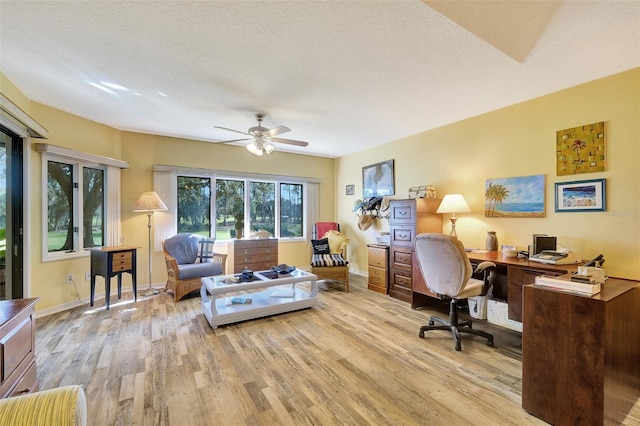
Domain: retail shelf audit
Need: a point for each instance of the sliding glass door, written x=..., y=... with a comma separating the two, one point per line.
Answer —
x=11, y=215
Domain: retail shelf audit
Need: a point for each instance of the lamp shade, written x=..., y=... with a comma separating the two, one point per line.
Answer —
x=453, y=203
x=149, y=202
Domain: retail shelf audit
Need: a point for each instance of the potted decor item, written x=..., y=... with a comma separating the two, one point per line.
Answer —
x=239, y=225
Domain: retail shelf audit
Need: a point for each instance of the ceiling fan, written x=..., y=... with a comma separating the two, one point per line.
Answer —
x=262, y=137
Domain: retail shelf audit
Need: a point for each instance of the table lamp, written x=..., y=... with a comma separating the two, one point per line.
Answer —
x=148, y=203
x=453, y=203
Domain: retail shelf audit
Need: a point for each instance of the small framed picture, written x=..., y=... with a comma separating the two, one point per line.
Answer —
x=351, y=189
x=581, y=196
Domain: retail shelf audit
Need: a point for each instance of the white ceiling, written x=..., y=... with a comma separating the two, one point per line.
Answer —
x=343, y=75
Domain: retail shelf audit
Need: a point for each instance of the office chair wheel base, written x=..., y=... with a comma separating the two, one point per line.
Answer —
x=421, y=334
x=458, y=346
x=490, y=343
x=432, y=322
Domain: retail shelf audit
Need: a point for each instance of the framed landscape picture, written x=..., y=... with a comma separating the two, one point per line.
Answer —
x=378, y=180
x=521, y=196
x=581, y=196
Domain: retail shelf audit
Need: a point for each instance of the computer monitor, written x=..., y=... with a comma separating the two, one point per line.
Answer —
x=542, y=242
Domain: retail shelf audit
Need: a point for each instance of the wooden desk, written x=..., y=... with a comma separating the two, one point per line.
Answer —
x=113, y=261
x=513, y=273
x=17, y=347
x=581, y=355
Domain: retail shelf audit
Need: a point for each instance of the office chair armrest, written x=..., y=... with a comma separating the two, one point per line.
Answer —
x=489, y=271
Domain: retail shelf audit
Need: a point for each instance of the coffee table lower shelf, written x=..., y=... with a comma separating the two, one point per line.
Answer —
x=218, y=310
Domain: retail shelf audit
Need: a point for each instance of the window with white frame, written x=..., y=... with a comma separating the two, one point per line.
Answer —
x=239, y=207
x=81, y=202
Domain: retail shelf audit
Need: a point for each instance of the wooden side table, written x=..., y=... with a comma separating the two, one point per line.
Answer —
x=109, y=262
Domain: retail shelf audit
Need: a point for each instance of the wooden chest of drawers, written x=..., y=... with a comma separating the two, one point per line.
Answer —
x=17, y=347
x=378, y=256
x=256, y=255
x=407, y=219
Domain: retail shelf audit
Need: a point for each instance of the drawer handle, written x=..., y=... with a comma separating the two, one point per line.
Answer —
x=402, y=213
x=22, y=392
x=403, y=235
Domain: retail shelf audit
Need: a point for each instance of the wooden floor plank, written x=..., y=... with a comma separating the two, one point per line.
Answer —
x=354, y=359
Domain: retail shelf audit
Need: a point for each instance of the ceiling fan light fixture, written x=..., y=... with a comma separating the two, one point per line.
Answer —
x=268, y=148
x=252, y=147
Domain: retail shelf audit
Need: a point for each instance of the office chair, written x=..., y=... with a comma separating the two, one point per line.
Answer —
x=447, y=271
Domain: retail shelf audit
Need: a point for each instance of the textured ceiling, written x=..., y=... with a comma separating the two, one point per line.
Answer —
x=342, y=75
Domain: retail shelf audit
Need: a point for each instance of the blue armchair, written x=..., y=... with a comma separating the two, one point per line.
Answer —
x=189, y=257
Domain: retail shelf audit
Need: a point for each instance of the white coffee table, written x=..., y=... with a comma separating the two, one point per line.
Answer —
x=219, y=311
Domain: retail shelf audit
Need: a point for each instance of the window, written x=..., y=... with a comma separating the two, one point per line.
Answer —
x=291, y=210
x=242, y=207
x=75, y=220
x=194, y=205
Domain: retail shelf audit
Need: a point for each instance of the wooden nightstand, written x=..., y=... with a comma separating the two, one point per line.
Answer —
x=109, y=262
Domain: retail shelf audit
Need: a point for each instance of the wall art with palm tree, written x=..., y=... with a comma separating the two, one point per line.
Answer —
x=522, y=196
x=581, y=150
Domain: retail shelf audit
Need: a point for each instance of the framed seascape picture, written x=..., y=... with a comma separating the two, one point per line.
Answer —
x=377, y=180
x=581, y=196
x=521, y=196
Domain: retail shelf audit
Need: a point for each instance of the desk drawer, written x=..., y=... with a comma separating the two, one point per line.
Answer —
x=403, y=235
x=401, y=258
x=403, y=212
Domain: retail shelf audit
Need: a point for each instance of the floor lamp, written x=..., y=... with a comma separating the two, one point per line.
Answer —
x=148, y=203
x=453, y=203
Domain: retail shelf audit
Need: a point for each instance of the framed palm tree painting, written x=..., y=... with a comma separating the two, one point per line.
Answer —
x=521, y=196
x=581, y=150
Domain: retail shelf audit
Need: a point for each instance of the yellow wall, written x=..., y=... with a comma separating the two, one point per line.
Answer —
x=520, y=141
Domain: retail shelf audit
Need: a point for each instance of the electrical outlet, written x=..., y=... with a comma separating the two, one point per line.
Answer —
x=87, y=276
x=69, y=278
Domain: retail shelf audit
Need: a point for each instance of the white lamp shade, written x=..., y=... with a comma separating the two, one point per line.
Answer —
x=453, y=203
x=149, y=202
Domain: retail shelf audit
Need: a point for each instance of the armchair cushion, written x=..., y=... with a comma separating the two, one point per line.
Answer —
x=334, y=259
x=199, y=270
x=337, y=240
x=321, y=246
x=205, y=253
x=182, y=247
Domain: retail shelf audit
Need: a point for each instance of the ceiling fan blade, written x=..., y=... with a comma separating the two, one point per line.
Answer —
x=277, y=131
x=289, y=141
x=233, y=140
x=231, y=130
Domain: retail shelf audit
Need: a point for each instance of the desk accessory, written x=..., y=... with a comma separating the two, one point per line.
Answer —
x=454, y=203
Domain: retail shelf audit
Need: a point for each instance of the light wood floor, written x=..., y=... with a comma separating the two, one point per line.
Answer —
x=355, y=359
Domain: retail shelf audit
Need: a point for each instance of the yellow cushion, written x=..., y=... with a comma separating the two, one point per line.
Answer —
x=64, y=406
x=337, y=240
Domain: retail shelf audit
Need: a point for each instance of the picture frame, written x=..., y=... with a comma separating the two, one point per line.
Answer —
x=581, y=196
x=517, y=197
x=350, y=190
x=378, y=179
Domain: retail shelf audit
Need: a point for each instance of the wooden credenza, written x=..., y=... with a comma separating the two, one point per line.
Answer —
x=256, y=255
x=407, y=219
x=580, y=354
x=17, y=347
x=378, y=256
